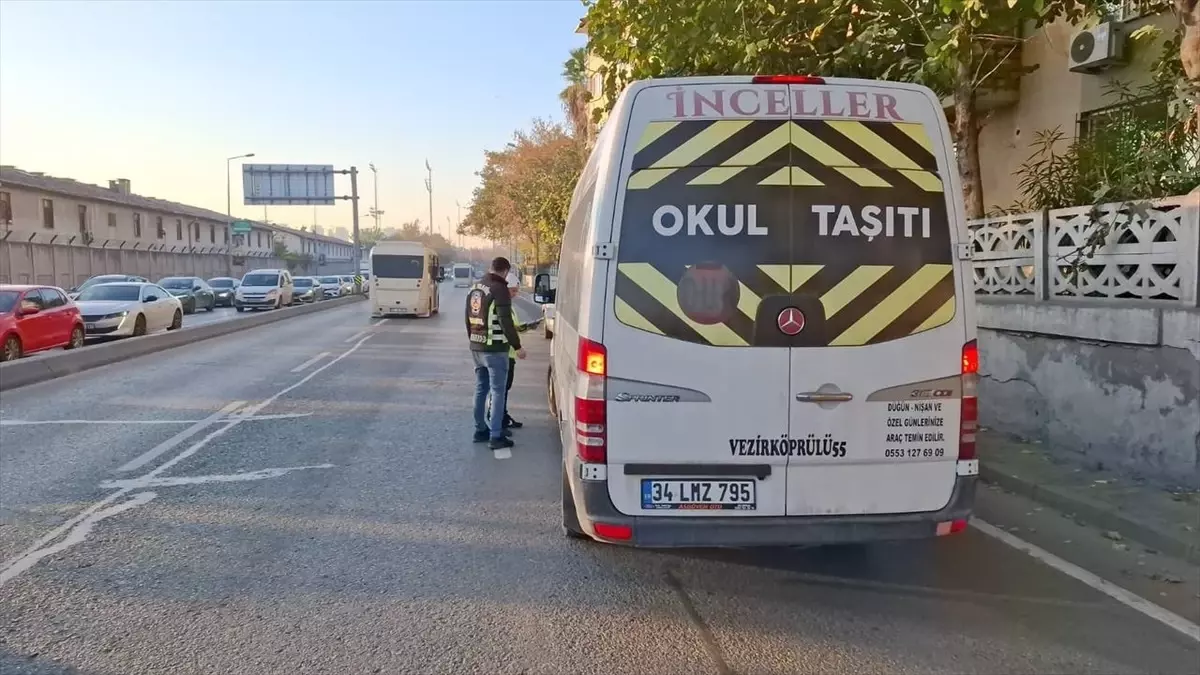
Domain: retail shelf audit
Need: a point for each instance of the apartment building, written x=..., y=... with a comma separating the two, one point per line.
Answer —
x=45, y=209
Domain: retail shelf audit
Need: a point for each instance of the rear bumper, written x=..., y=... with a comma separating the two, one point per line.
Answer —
x=593, y=504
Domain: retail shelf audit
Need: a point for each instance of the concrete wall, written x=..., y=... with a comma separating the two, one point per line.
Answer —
x=1108, y=386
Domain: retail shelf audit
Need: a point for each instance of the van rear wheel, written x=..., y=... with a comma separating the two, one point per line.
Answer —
x=570, y=521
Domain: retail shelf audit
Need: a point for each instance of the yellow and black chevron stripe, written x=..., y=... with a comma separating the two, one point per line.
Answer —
x=844, y=306
x=797, y=153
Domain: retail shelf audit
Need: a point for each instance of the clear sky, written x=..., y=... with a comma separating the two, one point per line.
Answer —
x=161, y=92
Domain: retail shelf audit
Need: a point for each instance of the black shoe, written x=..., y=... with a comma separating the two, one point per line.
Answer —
x=502, y=442
x=482, y=436
x=511, y=423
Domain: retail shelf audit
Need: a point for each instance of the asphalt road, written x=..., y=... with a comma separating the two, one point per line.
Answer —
x=336, y=518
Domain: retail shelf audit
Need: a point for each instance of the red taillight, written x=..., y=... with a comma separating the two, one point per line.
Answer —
x=591, y=409
x=615, y=532
x=951, y=527
x=970, y=403
x=788, y=79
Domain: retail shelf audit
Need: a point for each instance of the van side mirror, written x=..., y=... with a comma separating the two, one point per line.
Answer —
x=542, y=293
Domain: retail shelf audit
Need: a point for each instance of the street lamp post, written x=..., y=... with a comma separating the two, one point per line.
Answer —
x=429, y=188
x=229, y=184
x=375, y=212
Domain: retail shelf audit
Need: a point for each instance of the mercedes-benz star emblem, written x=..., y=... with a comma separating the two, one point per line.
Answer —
x=790, y=321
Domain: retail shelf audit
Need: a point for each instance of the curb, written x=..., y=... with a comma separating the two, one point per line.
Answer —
x=1094, y=513
x=25, y=372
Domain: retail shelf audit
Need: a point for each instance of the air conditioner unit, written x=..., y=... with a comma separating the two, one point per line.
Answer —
x=1097, y=48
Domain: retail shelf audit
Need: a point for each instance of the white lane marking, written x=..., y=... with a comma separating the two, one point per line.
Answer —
x=78, y=533
x=354, y=337
x=33, y=423
x=171, y=481
x=379, y=322
x=1130, y=600
x=502, y=453
x=36, y=550
x=251, y=411
x=153, y=453
x=309, y=362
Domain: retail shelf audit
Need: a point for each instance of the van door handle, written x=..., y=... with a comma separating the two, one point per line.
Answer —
x=824, y=397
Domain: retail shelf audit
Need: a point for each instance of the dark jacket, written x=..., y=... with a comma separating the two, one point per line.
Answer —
x=498, y=295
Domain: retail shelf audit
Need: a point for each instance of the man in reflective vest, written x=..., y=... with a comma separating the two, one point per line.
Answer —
x=514, y=286
x=491, y=332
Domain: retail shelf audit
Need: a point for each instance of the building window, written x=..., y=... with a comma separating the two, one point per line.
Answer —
x=160, y=231
x=1124, y=122
x=179, y=229
x=5, y=207
x=48, y=213
x=226, y=236
x=195, y=231
x=137, y=226
x=83, y=218
x=212, y=233
x=1128, y=10
x=259, y=240
x=112, y=219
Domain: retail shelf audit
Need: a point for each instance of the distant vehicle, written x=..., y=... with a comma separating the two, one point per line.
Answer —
x=331, y=287
x=224, y=287
x=264, y=289
x=462, y=275
x=774, y=349
x=36, y=318
x=403, y=279
x=105, y=279
x=543, y=294
x=307, y=289
x=347, y=283
x=123, y=309
x=193, y=292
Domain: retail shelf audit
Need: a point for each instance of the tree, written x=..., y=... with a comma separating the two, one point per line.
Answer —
x=575, y=96
x=956, y=47
x=525, y=190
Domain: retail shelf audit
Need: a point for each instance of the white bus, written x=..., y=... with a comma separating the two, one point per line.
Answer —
x=463, y=273
x=403, y=279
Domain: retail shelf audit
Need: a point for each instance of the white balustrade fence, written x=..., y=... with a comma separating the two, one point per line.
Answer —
x=1153, y=256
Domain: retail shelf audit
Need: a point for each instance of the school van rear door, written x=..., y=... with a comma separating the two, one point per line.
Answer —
x=786, y=309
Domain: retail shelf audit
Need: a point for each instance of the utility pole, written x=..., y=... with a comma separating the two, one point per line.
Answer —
x=429, y=188
x=354, y=211
x=375, y=212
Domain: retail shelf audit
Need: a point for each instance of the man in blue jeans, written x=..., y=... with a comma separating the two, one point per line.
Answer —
x=491, y=331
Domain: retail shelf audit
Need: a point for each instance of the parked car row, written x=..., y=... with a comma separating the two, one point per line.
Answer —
x=35, y=318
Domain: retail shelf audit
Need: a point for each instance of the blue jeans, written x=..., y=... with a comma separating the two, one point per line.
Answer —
x=491, y=378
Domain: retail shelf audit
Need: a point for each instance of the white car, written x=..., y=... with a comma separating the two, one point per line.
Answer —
x=330, y=286
x=128, y=309
x=767, y=330
x=265, y=289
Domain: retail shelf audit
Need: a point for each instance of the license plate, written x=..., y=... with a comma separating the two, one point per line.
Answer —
x=701, y=495
x=89, y=326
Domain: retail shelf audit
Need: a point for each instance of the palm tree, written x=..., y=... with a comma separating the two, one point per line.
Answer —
x=575, y=95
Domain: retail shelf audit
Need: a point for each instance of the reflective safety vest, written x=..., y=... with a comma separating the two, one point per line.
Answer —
x=483, y=321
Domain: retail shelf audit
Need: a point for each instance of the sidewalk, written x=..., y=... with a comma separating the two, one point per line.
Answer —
x=1124, y=507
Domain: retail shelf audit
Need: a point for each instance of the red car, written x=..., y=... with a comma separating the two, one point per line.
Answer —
x=35, y=318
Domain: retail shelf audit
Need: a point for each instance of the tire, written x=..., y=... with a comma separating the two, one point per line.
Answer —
x=240, y=310
x=176, y=321
x=77, y=337
x=212, y=306
x=12, y=349
x=139, y=325
x=570, y=519
x=551, y=401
